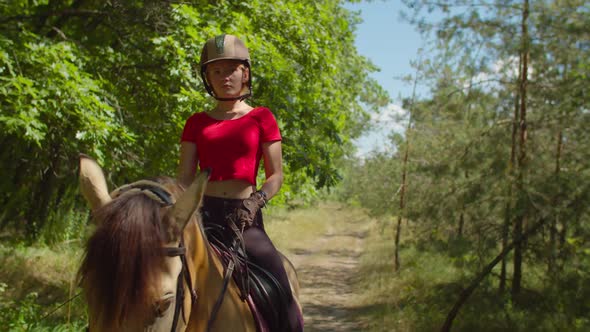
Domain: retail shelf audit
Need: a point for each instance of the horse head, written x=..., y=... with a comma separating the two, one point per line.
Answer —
x=135, y=271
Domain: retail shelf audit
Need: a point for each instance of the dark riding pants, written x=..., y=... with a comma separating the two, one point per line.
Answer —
x=259, y=247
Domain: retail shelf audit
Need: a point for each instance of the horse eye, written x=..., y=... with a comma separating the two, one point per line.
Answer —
x=161, y=306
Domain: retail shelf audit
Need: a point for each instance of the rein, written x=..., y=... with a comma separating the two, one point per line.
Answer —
x=60, y=306
x=184, y=272
x=232, y=257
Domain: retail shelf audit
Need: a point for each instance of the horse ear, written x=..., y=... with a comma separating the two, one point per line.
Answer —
x=92, y=182
x=190, y=200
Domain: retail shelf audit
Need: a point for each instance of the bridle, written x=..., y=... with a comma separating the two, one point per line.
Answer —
x=180, y=251
x=158, y=193
x=185, y=273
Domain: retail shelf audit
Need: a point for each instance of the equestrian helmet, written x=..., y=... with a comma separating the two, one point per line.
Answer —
x=225, y=47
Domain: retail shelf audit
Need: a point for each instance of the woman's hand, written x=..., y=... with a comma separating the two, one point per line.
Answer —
x=247, y=212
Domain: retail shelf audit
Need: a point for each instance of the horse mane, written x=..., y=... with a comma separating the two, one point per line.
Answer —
x=122, y=257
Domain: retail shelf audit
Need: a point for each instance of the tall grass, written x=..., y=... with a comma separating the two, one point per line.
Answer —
x=35, y=280
x=292, y=229
x=36, y=283
x=419, y=296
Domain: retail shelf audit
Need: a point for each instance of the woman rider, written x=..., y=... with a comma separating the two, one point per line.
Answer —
x=231, y=139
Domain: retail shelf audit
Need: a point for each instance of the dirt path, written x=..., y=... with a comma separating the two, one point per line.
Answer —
x=326, y=270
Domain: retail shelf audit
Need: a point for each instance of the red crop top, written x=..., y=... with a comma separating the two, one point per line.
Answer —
x=231, y=148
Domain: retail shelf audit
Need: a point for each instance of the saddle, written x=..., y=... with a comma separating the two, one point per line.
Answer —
x=255, y=283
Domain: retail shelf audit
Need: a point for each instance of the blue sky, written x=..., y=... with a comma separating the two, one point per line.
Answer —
x=390, y=44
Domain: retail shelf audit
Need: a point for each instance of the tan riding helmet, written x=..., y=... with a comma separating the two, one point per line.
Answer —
x=225, y=47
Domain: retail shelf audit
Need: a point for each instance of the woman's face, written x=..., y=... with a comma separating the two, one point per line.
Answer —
x=227, y=77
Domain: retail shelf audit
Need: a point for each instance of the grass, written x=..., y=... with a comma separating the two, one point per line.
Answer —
x=395, y=301
x=34, y=282
x=297, y=229
x=420, y=295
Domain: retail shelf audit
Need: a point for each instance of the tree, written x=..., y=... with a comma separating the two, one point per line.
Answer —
x=499, y=143
x=117, y=79
x=467, y=31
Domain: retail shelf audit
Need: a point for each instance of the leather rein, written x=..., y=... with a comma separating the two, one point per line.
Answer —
x=180, y=251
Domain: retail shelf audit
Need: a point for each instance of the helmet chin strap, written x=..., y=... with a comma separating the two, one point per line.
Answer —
x=240, y=98
x=209, y=88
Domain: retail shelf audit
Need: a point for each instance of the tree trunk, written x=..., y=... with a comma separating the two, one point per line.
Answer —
x=555, y=221
x=402, y=196
x=510, y=185
x=398, y=229
x=522, y=158
x=473, y=285
x=556, y=238
x=461, y=224
x=37, y=215
x=505, y=237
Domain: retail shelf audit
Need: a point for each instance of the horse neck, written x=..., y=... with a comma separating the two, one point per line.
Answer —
x=208, y=267
x=208, y=283
x=198, y=252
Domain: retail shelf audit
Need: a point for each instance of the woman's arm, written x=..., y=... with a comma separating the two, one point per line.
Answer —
x=273, y=168
x=187, y=166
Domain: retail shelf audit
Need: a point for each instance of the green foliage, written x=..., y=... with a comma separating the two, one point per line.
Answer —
x=372, y=183
x=65, y=225
x=460, y=140
x=18, y=316
x=117, y=80
x=418, y=297
x=26, y=315
x=470, y=176
x=36, y=286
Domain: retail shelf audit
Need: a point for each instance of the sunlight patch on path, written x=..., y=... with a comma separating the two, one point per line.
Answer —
x=327, y=266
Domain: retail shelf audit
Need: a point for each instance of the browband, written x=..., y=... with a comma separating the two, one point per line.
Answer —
x=151, y=189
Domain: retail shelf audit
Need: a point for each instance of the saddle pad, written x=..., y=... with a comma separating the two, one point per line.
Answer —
x=261, y=325
x=269, y=297
x=264, y=294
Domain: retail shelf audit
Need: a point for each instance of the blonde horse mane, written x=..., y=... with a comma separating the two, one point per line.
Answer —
x=123, y=256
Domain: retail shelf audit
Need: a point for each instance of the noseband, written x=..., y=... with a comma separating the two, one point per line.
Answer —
x=158, y=193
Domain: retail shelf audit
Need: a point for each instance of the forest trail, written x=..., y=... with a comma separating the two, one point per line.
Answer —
x=327, y=265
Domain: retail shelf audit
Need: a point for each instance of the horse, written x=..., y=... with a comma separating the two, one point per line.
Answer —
x=148, y=266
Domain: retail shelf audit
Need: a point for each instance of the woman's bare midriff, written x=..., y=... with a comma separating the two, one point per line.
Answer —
x=230, y=189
